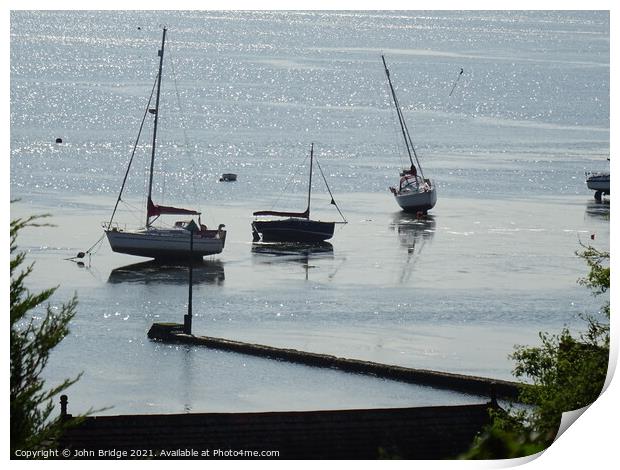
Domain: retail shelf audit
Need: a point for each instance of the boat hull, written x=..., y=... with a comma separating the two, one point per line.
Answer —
x=416, y=201
x=599, y=183
x=293, y=230
x=166, y=244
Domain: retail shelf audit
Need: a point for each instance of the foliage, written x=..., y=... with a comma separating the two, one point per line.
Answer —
x=508, y=437
x=567, y=373
x=598, y=277
x=32, y=340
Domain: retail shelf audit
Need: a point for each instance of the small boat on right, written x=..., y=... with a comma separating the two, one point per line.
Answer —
x=415, y=193
x=598, y=181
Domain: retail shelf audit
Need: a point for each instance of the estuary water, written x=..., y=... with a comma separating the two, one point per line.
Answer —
x=247, y=92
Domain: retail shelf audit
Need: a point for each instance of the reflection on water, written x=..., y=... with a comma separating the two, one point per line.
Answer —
x=187, y=378
x=297, y=252
x=413, y=233
x=412, y=230
x=598, y=209
x=302, y=253
x=204, y=272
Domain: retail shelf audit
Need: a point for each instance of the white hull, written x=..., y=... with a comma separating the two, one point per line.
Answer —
x=415, y=201
x=166, y=243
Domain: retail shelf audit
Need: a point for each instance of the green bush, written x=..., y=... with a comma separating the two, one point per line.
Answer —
x=32, y=340
x=567, y=373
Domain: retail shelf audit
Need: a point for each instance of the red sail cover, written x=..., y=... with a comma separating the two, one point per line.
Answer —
x=304, y=215
x=154, y=209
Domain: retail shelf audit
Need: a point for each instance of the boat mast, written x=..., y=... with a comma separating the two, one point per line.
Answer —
x=310, y=181
x=401, y=121
x=161, y=63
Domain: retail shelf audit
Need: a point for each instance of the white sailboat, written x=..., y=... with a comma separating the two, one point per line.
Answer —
x=414, y=193
x=177, y=243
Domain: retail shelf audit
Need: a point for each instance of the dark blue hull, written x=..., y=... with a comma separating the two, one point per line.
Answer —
x=293, y=230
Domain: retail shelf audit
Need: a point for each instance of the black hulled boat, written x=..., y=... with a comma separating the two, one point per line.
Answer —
x=295, y=226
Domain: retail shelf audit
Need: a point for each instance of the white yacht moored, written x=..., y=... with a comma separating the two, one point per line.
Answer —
x=414, y=193
x=166, y=243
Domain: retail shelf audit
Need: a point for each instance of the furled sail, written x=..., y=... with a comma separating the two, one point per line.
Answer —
x=155, y=210
x=304, y=215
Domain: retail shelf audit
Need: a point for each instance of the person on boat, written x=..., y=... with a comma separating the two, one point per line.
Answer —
x=411, y=171
x=407, y=175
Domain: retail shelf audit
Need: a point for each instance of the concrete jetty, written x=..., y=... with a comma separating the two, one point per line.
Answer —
x=174, y=332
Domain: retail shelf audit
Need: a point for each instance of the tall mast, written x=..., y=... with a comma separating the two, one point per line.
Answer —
x=401, y=120
x=161, y=64
x=310, y=182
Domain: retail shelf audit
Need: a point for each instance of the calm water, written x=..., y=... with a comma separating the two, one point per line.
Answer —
x=247, y=93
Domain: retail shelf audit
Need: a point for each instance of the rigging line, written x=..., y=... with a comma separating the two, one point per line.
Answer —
x=135, y=209
x=408, y=140
x=413, y=148
x=406, y=131
x=132, y=211
x=182, y=111
x=403, y=124
x=163, y=169
x=397, y=106
x=396, y=142
x=97, y=245
x=81, y=254
x=145, y=188
x=456, y=81
x=398, y=146
x=330, y=192
x=291, y=179
x=133, y=153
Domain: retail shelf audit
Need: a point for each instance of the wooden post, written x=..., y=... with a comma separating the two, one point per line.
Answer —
x=64, y=400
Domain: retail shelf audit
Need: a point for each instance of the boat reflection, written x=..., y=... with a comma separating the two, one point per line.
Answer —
x=413, y=230
x=152, y=272
x=599, y=210
x=301, y=253
x=413, y=233
x=295, y=252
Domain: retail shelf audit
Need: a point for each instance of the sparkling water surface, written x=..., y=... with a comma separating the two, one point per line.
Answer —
x=247, y=92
